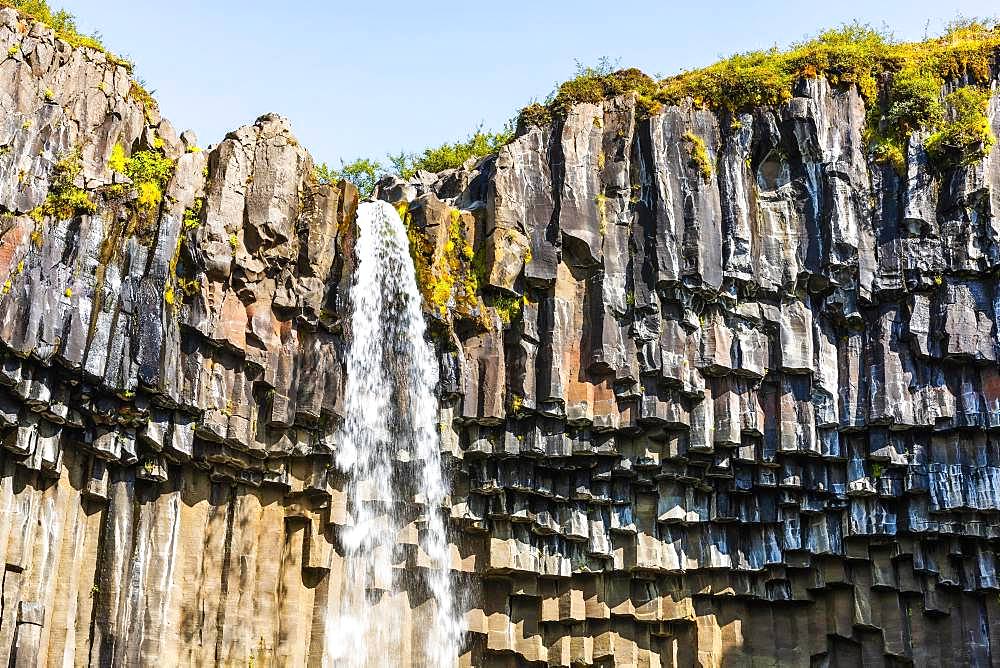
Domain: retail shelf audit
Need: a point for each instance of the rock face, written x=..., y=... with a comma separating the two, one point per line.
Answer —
x=744, y=415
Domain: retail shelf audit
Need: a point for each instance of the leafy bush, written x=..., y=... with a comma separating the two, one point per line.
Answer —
x=596, y=83
x=592, y=83
x=534, y=114
x=59, y=20
x=148, y=170
x=363, y=172
x=453, y=155
x=64, y=199
x=966, y=136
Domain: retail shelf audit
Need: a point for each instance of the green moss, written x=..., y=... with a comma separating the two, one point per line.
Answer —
x=13, y=51
x=914, y=74
x=966, y=137
x=593, y=84
x=64, y=199
x=698, y=153
x=189, y=287
x=534, y=114
x=448, y=277
x=853, y=54
x=647, y=105
x=142, y=96
x=900, y=82
x=61, y=21
x=192, y=215
x=116, y=192
x=149, y=166
x=420, y=252
x=507, y=307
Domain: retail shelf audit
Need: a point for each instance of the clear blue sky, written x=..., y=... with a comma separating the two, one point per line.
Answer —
x=369, y=77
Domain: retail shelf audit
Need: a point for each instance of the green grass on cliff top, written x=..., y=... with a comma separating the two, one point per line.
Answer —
x=853, y=54
x=62, y=22
x=900, y=82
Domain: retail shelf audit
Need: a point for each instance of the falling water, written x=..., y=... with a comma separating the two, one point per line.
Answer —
x=390, y=417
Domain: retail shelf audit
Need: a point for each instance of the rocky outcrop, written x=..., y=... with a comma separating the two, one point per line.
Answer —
x=693, y=416
x=748, y=409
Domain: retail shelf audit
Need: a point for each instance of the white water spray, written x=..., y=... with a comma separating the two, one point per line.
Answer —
x=390, y=416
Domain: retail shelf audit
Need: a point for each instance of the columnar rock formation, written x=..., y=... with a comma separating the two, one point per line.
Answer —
x=692, y=416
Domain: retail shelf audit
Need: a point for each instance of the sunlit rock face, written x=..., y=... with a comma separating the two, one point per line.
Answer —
x=685, y=417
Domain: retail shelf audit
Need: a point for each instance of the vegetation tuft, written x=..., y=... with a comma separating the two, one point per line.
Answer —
x=365, y=172
x=65, y=199
x=900, y=82
x=63, y=23
x=149, y=172
x=698, y=153
x=600, y=82
x=965, y=138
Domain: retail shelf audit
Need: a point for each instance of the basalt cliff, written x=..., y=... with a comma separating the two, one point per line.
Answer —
x=715, y=388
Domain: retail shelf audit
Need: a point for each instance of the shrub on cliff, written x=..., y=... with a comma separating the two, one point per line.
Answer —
x=59, y=20
x=365, y=172
x=900, y=82
x=453, y=155
x=64, y=25
x=966, y=136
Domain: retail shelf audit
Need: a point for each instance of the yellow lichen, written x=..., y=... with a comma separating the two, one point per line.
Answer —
x=117, y=160
x=448, y=275
x=602, y=213
x=150, y=195
x=698, y=154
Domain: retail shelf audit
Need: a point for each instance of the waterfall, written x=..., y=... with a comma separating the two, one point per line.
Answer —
x=389, y=447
